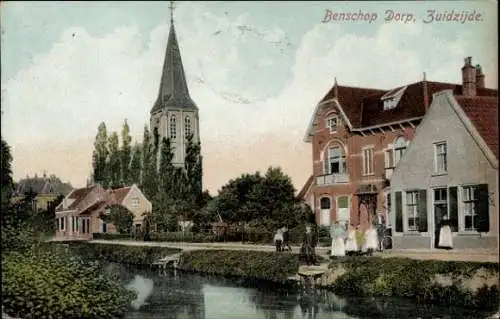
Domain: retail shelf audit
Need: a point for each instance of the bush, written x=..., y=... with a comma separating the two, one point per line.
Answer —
x=184, y=237
x=47, y=284
x=251, y=264
x=109, y=236
x=417, y=279
x=130, y=255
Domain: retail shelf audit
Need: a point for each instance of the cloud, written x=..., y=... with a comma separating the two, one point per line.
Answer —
x=245, y=78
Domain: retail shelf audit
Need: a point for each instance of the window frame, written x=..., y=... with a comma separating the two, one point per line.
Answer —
x=335, y=119
x=415, y=213
x=342, y=160
x=437, y=153
x=399, y=149
x=173, y=127
x=135, y=202
x=463, y=211
x=368, y=161
x=187, y=126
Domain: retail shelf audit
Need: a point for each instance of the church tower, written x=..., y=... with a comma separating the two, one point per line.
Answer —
x=174, y=114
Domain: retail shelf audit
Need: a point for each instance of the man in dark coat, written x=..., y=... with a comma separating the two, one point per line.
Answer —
x=308, y=247
x=286, y=239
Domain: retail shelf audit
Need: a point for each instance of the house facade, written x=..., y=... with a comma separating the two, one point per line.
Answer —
x=358, y=136
x=79, y=214
x=450, y=173
x=47, y=190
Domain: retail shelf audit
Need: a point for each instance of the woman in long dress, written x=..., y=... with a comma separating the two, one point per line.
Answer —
x=371, y=241
x=446, y=237
x=337, y=233
x=351, y=244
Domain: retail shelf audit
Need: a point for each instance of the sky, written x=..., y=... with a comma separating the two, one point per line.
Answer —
x=255, y=69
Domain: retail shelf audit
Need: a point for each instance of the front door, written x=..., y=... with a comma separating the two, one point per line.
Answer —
x=325, y=211
x=367, y=208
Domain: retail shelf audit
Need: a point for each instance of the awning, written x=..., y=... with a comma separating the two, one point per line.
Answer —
x=367, y=189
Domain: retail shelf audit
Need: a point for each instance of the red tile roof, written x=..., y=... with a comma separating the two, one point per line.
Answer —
x=305, y=188
x=119, y=194
x=364, y=107
x=79, y=195
x=483, y=113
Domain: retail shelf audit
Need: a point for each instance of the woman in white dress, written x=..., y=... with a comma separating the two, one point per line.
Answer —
x=446, y=237
x=337, y=232
x=351, y=244
x=371, y=242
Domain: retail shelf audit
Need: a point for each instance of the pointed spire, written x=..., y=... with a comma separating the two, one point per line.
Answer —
x=173, y=89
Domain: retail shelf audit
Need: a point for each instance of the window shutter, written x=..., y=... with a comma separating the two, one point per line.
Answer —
x=422, y=211
x=482, y=219
x=454, y=208
x=399, y=212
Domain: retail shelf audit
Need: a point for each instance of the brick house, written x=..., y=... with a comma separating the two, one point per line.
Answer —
x=358, y=136
x=78, y=215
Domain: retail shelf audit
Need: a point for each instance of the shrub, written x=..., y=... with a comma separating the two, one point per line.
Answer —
x=404, y=277
x=48, y=284
x=184, y=237
x=130, y=255
x=109, y=236
x=251, y=264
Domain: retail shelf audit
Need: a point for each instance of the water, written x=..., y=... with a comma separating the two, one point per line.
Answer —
x=189, y=296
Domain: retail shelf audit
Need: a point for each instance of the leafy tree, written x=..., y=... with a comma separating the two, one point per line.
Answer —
x=6, y=182
x=126, y=154
x=149, y=172
x=135, y=165
x=193, y=167
x=121, y=217
x=114, y=161
x=100, y=156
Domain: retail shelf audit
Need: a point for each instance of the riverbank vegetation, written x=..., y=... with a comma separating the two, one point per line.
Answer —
x=462, y=284
x=42, y=281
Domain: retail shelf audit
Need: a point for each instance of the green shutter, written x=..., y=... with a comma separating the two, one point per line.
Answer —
x=454, y=209
x=422, y=210
x=482, y=219
x=399, y=212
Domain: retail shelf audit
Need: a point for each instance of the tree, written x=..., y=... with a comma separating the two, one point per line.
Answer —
x=135, y=165
x=100, y=156
x=7, y=182
x=193, y=167
x=121, y=217
x=114, y=161
x=126, y=155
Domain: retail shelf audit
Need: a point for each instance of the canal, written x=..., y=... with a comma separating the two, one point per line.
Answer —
x=191, y=296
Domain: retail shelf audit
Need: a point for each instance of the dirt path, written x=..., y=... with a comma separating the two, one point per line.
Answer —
x=464, y=255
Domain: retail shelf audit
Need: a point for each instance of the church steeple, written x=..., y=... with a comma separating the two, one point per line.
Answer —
x=173, y=91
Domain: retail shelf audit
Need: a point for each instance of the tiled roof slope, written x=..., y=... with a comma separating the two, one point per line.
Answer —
x=364, y=107
x=483, y=113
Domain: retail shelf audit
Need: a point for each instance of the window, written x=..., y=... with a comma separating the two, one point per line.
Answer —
x=368, y=161
x=441, y=203
x=135, y=202
x=187, y=126
x=441, y=157
x=331, y=124
x=104, y=226
x=336, y=161
x=469, y=198
x=325, y=217
x=58, y=223
x=389, y=159
x=399, y=149
x=412, y=210
x=63, y=223
x=343, y=208
x=324, y=203
x=73, y=224
x=389, y=103
x=173, y=127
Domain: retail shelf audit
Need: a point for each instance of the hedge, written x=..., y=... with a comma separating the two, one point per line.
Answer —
x=440, y=282
x=129, y=255
x=48, y=284
x=110, y=236
x=269, y=266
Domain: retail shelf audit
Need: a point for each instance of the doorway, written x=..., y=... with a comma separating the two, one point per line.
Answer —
x=325, y=211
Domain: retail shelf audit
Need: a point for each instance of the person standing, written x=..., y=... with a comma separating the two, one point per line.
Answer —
x=379, y=223
x=286, y=239
x=337, y=233
x=278, y=240
x=351, y=242
x=308, y=247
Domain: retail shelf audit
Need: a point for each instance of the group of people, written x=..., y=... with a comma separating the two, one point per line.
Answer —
x=346, y=238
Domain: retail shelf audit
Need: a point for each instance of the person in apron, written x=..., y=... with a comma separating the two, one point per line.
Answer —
x=337, y=233
x=351, y=245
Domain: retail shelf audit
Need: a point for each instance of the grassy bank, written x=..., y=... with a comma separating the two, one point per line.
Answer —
x=252, y=264
x=462, y=284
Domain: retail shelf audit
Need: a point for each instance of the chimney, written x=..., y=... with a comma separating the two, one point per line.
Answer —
x=468, y=78
x=335, y=89
x=426, y=92
x=479, y=77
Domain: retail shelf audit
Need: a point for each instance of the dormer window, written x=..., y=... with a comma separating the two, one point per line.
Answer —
x=391, y=98
x=389, y=104
x=332, y=123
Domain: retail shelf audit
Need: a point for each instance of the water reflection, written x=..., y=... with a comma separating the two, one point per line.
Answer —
x=193, y=296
